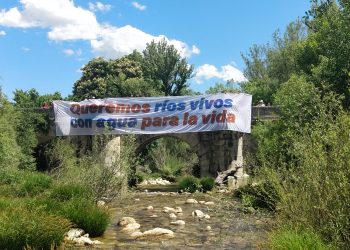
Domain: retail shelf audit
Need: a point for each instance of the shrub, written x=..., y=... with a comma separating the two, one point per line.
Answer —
x=263, y=195
x=33, y=183
x=44, y=204
x=190, y=184
x=207, y=183
x=292, y=239
x=87, y=215
x=8, y=176
x=20, y=228
x=63, y=192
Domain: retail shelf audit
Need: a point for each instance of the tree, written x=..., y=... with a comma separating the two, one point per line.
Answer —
x=330, y=38
x=10, y=151
x=221, y=88
x=30, y=122
x=112, y=78
x=267, y=67
x=163, y=64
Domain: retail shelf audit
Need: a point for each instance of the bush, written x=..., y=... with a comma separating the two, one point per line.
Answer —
x=20, y=228
x=292, y=239
x=8, y=176
x=45, y=204
x=190, y=184
x=207, y=183
x=266, y=194
x=87, y=215
x=33, y=183
x=63, y=192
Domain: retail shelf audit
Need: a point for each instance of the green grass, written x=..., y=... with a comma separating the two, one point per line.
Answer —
x=207, y=183
x=86, y=215
x=20, y=228
x=33, y=183
x=189, y=183
x=64, y=192
x=293, y=239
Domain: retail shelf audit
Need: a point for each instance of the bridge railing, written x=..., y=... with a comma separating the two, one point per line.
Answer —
x=265, y=113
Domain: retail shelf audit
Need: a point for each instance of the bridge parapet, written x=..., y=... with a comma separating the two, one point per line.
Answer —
x=265, y=113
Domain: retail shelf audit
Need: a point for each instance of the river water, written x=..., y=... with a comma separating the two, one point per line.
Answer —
x=230, y=227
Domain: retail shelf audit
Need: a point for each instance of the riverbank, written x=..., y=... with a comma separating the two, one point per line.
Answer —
x=227, y=228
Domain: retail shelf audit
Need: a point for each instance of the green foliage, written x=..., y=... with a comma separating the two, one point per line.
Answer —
x=23, y=183
x=67, y=191
x=263, y=195
x=121, y=77
x=32, y=183
x=267, y=67
x=169, y=157
x=207, y=183
x=8, y=176
x=30, y=123
x=309, y=153
x=221, y=88
x=163, y=64
x=59, y=153
x=295, y=239
x=10, y=151
x=100, y=169
x=21, y=228
x=86, y=215
x=189, y=184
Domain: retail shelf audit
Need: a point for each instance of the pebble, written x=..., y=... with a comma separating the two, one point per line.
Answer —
x=125, y=221
x=178, y=222
x=191, y=201
x=131, y=227
x=168, y=210
x=149, y=208
x=198, y=213
x=209, y=203
x=208, y=228
x=172, y=216
x=178, y=210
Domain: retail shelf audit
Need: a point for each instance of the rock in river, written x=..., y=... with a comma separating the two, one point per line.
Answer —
x=178, y=222
x=191, y=201
x=125, y=221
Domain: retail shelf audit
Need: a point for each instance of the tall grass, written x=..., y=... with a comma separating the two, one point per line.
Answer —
x=87, y=215
x=20, y=228
x=287, y=238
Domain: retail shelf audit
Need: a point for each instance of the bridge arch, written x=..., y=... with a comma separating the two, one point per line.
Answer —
x=216, y=150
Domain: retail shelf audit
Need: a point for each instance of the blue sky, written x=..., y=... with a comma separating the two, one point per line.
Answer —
x=44, y=43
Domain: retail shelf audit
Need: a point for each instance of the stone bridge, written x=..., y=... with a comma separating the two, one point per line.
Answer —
x=217, y=151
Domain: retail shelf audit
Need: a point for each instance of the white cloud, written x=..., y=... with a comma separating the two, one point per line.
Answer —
x=227, y=73
x=116, y=42
x=2, y=33
x=70, y=52
x=139, y=6
x=66, y=21
x=98, y=6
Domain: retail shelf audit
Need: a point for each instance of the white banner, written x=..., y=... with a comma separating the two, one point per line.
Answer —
x=154, y=115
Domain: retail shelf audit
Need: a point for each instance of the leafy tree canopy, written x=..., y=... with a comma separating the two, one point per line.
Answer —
x=159, y=70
